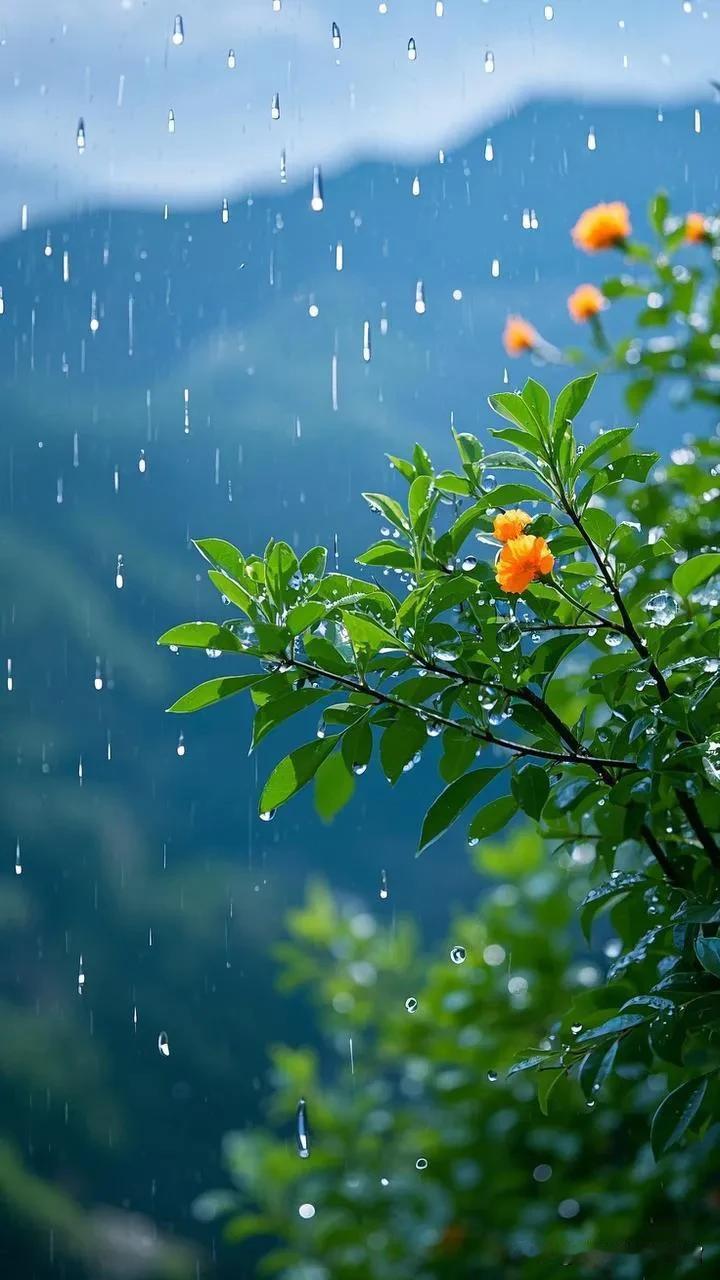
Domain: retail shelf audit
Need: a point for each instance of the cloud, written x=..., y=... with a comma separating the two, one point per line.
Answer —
x=113, y=64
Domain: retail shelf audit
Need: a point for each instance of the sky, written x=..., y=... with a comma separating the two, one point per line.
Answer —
x=113, y=63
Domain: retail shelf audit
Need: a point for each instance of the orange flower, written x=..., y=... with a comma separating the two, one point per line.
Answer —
x=518, y=336
x=510, y=524
x=585, y=302
x=521, y=561
x=604, y=226
x=695, y=228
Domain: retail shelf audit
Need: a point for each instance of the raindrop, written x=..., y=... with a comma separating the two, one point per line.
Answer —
x=468, y=564
x=384, y=890
x=492, y=1076
x=336, y=37
x=306, y=1211
x=163, y=1044
x=171, y=121
x=489, y=482
x=225, y=210
x=80, y=135
x=489, y=62
x=181, y=745
x=489, y=150
x=662, y=608
x=421, y=1163
x=359, y=769
x=591, y=140
x=411, y=1004
x=415, y=188
x=697, y=121
x=412, y=50
x=178, y=34
x=458, y=955
x=439, y=8
x=508, y=637
x=119, y=578
x=420, y=298
x=367, y=345
x=18, y=860
x=612, y=639
x=283, y=167
x=9, y=676
x=549, y=13
x=267, y=815
x=495, y=268
x=317, y=202
x=457, y=295
x=339, y=256
x=81, y=977
x=275, y=107
x=231, y=60
x=277, y=5
x=302, y=1133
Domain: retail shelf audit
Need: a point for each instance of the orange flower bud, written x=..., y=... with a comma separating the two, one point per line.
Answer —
x=518, y=336
x=604, y=226
x=510, y=524
x=585, y=302
x=521, y=561
x=695, y=228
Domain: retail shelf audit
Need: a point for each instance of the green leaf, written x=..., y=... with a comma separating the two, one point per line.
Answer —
x=601, y=445
x=280, y=566
x=693, y=572
x=294, y=772
x=615, y=1027
x=510, y=405
x=387, y=553
x=599, y=524
x=368, y=638
x=389, y=508
x=223, y=555
x=530, y=787
x=547, y=1081
x=334, y=786
x=313, y=562
x=232, y=591
x=419, y=497
x=638, y=392
x=276, y=710
x=204, y=695
x=493, y=817
x=458, y=754
x=658, y=210
x=538, y=400
x=570, y=401
x=399, y=743
x=304, y=615
x=201, y=635
x=675, y=1114
x=451, y=802
x=707, y=951
x=449, y=482
x=603, y=894
x=357, y=744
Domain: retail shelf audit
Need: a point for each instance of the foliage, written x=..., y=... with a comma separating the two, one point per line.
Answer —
x=422, y=1162
x=671, y=282
x=591, y=702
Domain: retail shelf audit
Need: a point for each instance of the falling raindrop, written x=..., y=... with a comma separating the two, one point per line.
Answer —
x=277, y=5
x=458, y=955
x=317, y=202
x=412, y=50
x=225, y=210
x=18, y=860
x=591, y=140
x=178, y=34
x=415, y=188
x=163, y=1044
x=24, y=218
x=306, y=1211
x=119, y=576
x=367, y=345
x=98, y=681
x=81, y=977
x=9, y=676
x=283, y=167
x=275, y=107
x=489, y=62
x=548, y=13
x=384, y=890
x=302, y=1133
x=267, y=815
x=420, y=298
x=336, y=37
x=411, y=1004
x=180, y=748
x=489, y=150
x=339, y=256
x=495, y=268
x=697, y=121
x=171, y=121
x=94, y=322
x=421, y=1163
x=80, y=135
x=231, y=60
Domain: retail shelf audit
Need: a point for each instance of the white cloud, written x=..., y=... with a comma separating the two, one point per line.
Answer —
x=112, y=62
